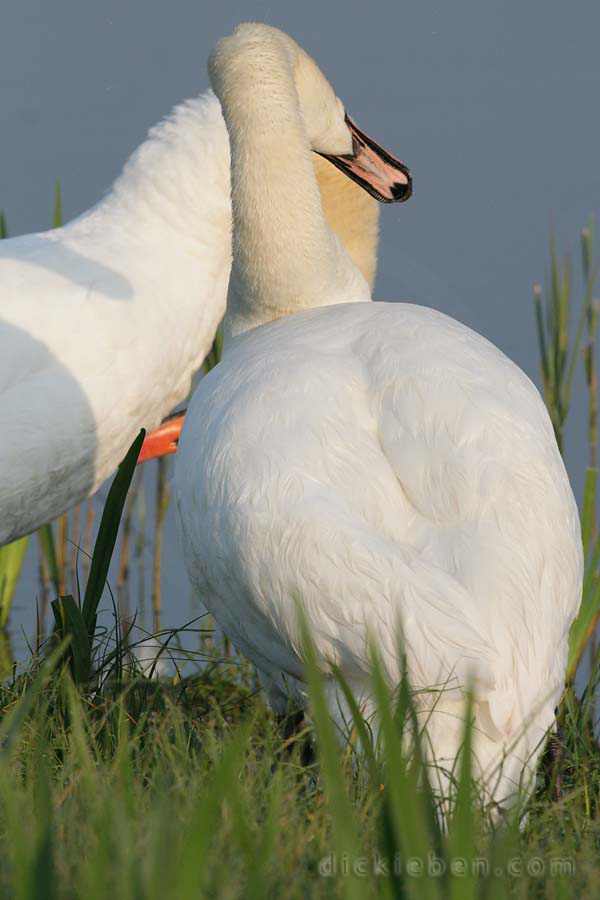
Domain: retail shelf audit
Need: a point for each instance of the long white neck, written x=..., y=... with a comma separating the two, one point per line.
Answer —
x=285, y=256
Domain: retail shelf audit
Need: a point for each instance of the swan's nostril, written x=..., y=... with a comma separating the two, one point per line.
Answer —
x=401, y=191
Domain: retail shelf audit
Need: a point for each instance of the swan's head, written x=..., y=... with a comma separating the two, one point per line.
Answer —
x=329, y=130
x=333, y=135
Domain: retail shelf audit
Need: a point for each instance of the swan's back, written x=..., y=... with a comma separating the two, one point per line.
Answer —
x=382, y=461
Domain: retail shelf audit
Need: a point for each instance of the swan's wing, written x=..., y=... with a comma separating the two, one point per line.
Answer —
x=492, y=527
x=61, y=362
x=332, y=464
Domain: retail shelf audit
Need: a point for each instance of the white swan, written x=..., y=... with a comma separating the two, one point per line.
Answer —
x=382, y=462
x=104, y=321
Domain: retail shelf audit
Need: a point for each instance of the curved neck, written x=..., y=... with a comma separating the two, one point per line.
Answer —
x=285, y=257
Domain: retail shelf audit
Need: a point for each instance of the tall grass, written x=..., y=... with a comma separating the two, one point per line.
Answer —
x=76, y=620
x=561, y=350
x=558, y=352
x=193, y=789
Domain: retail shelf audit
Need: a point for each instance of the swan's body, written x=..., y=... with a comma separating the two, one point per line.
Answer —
x=104, y=321
x=382, y=463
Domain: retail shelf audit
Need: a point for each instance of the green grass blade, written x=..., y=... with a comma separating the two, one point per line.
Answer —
x=539, y=319
x=260, y=862
x=42, y=869
x=7, y=660
x=462, y=828
x=48, y=550
x=107, y=534
x=583, y=627
x=554, y=309
x=364, y=736
x=587, y=248
x=190, y=875
x=575, y=353
x=592, y=558
x=69, y=622
x=588, y=514
x=563, y=321
x=11, y=561
x=405, y=803
x=57, y=212
x=553, y=321
x=502, y=849
x=11, y=722
x=344, y=832
x=589, y=611
x=3, y=226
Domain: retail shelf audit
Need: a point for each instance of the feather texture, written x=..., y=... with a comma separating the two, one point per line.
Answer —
x=391, y=469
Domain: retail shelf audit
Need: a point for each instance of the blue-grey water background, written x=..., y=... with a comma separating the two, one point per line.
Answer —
x=494, y=105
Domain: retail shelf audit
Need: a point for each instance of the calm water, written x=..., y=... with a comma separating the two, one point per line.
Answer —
x=493, y=106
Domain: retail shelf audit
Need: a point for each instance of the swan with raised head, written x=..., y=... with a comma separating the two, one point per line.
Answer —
x=104, y=321
x=381, y=462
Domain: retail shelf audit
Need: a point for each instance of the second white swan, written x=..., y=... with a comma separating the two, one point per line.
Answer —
x=382, y=462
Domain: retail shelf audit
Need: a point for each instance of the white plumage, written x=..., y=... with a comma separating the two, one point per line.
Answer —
x=104, y=321
x=382, y=463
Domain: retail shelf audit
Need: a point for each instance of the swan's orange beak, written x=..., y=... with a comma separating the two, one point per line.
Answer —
x=162, y=441
x=373, y=168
